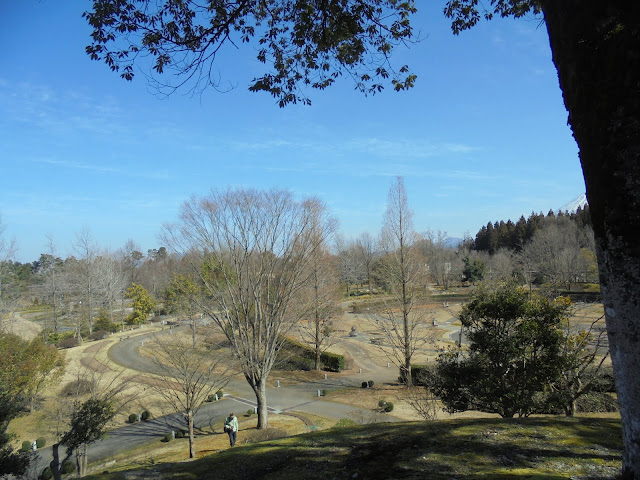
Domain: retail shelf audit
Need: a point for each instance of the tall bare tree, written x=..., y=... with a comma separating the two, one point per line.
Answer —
x=401, y=270
x=366, y=247
x=317, y=327
x=109, y=283
x=53, y=287
x=255, y=249
x=87, y=249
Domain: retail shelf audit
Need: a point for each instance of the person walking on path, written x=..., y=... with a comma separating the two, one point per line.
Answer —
x=231, y=427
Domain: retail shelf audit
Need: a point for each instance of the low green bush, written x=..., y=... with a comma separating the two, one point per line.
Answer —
x=68, y=466
x=596, y=402
x=77, y=387
x=146, y=415
x=99, y=335
x=220, y=393
x=271, y=433
x=345, y=422
x=365, y=384
x=26, y=446
x=389, y=407
x=41, y=442
x=250, y=412
x=46, y=474
x=167, y=437
x=68, y=342
x=382, y=403
x=133, y=418
x=370, y=383
x=180, y=433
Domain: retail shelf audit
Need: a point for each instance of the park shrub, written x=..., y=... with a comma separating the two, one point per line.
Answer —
x=388, y=407
x=263, y=435
x=180, y=433
x=26, y=446
x=46, y=474
x=365, y=384
x=41, y=442
x=370, y=383
x=220, y=393
x=77, y=388
x=296, y=356
x=596, y=402
x=345, y=422
x=167, y=437
x=146, y=415
x=99, y=335
x=133, y=418
x=68, y=342
x=67, y=467
x=417, y=375
x=323, y=392
x=250, y=412
x=382, y=403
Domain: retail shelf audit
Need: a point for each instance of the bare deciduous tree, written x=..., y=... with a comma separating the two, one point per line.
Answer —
x=188, y=374
x=255, y=248
x=317, y=328
x=401, y=269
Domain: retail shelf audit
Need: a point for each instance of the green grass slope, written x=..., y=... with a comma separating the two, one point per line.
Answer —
x=532, y=448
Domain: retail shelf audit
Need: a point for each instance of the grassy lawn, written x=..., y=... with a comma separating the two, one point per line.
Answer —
x=532, y=448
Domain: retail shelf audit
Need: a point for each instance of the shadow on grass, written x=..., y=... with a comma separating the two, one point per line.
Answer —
x=534, y=448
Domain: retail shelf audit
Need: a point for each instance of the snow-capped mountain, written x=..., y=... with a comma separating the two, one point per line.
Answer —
x=572, y=206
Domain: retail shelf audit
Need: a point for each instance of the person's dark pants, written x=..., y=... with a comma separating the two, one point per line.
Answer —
x=232, y=437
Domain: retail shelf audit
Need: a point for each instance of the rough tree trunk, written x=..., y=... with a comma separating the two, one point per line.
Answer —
x=595, y=47
x=54, y=465
x=192, y=439
x=260, y=389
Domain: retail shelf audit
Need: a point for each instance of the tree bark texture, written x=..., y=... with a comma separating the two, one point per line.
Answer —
x=596, y=50
x=192, y=437
x=259, y=387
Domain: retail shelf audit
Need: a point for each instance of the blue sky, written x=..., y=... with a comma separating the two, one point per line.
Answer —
x=482, y=137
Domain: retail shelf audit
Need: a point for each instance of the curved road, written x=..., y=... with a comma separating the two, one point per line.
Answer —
x=300, y=397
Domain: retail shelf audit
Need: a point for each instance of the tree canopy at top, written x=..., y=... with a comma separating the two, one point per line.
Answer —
x=304, y=43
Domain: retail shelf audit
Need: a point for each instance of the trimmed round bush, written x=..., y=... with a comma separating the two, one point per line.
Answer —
x=133, y=418
x=365, y=384
x=68, y=466
x=389, y=407
x=220, y=393
x=46, y=474
x=68, y=342
x=180, y=433
x=99, y=335
x=370, y=383
x=26, y=446
x=167, y=437
x=146, y=415
x=382, y=403
x=211, y=397
x=323, y=392
x=250, y=412
x=41, y=442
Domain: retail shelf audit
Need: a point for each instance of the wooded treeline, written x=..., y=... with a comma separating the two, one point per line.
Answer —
x=514, y=236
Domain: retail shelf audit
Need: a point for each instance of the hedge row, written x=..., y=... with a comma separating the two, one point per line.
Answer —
x=417, y=372
x=331, y=362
